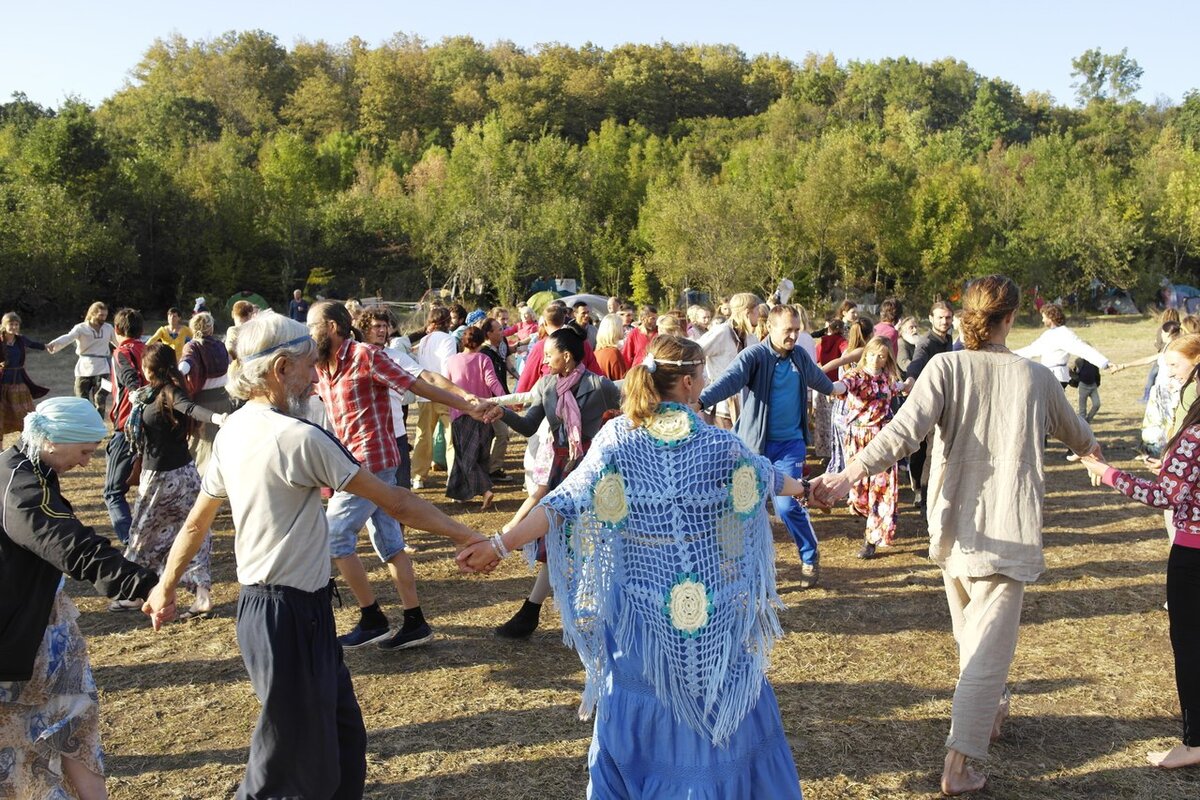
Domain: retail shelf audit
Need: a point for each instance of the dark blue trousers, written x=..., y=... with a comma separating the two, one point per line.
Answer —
x=310, y=741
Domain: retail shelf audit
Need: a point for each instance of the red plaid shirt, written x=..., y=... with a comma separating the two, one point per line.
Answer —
x=356, y=399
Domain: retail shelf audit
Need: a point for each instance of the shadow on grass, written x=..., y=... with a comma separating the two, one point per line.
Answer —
x=544, y=778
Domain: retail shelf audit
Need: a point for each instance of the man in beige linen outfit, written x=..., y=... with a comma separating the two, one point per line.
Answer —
x=988, y=410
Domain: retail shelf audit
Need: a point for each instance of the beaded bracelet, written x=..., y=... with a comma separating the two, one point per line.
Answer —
x=497, y=541
x=804, y=483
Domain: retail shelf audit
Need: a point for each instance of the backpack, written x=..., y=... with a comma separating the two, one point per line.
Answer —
x=134, y=430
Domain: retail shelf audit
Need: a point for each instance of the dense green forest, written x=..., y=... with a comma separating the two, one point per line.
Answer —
x=237, y=163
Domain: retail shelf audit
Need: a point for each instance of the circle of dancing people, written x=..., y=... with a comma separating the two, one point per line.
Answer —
x=655, y=445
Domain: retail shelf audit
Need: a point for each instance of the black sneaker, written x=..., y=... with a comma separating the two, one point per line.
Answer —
x=422, y=634
x=500, y=476
x=867, y=551
x=361, y=637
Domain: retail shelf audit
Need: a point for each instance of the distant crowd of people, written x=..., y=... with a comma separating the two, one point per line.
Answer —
x=655, y=444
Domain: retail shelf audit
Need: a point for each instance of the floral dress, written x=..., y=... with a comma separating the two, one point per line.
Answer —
x=869, y=403
x=53, y=714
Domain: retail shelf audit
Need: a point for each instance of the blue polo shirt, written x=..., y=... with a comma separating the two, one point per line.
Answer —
x=783, y=414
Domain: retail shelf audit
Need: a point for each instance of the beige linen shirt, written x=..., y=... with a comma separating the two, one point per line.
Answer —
x=988, y=412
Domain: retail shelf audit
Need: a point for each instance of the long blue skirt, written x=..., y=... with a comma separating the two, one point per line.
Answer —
x=639, y=750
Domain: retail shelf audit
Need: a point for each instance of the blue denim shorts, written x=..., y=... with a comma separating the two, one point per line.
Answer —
x=347, y=513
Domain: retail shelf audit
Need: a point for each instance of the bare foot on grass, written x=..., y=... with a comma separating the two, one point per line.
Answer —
x=958, y=778
x=1178, y=756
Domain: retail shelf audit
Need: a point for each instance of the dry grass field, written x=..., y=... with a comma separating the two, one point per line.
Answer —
x=864, y=674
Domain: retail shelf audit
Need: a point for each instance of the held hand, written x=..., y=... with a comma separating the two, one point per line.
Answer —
x=839, y=389
x=906, y=387
x=159, y=606
x=219, y=419
x=813, y=499
x=829, y=489
x=485, y=412
x=479, y=556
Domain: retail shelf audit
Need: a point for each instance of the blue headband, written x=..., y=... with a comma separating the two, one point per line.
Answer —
x=64, y=420
x=267, y=351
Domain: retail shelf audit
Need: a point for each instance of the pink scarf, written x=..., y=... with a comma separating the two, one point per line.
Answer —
x=568, y=410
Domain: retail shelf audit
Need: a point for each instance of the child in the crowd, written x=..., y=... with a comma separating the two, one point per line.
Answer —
x=872, y=386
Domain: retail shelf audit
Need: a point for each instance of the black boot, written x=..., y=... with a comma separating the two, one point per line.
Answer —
x=523, y=623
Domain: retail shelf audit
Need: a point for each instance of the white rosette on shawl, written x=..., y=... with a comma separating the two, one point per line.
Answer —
x=661, y=536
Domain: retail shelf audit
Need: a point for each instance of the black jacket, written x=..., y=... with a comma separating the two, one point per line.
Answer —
x=40, y=539
x=928, y=346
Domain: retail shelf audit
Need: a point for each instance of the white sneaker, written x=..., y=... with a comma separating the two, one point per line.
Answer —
x=417, y=483
x=1072, y=457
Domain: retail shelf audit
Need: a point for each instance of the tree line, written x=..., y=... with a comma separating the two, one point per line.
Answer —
x=237, y=163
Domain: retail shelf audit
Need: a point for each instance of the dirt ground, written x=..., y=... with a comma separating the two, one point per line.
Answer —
x=864, y=674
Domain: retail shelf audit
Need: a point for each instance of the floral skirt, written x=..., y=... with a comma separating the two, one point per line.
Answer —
x=163, y=502
x=875, y=497
x=52, y=715
x=15, y=402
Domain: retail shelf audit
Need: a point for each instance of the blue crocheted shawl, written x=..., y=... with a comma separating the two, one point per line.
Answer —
x=661, y=536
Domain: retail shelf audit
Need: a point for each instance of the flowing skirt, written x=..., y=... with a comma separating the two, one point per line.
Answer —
x=163, y=502
x=838, y=434
x=469, y=475
x=875, y=497
x=640, y=750
x=15, y=402
x=53, y=714
x=820, y=427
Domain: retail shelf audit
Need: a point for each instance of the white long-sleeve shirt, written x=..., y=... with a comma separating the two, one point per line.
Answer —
x=90, y=345
x=1055, y=348
x=434, y=351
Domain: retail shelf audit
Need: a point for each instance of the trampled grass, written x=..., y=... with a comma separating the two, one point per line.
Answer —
x=864, y=674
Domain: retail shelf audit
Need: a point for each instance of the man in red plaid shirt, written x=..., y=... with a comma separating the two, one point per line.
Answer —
x=353, y=381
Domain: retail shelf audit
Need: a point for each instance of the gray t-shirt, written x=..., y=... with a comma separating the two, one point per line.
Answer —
x=271, y=467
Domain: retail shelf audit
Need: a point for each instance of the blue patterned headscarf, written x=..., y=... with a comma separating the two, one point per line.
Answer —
x=62, y=420
x=475, y=316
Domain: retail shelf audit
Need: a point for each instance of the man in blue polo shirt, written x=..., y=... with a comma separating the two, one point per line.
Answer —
x=774, y=421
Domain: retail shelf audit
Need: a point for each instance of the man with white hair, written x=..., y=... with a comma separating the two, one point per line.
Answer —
x=270, y=465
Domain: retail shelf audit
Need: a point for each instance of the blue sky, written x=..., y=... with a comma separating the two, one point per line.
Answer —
x=61, y=47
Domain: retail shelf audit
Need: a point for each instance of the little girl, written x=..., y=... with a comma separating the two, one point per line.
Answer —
x=871, y=387
x=1174, y=491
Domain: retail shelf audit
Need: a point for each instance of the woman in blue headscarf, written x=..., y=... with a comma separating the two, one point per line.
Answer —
x=49, y=716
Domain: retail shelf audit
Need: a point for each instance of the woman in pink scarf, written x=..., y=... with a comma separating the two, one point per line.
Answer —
x=575, y=403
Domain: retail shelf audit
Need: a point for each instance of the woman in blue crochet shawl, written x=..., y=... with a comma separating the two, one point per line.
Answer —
x=662, y=563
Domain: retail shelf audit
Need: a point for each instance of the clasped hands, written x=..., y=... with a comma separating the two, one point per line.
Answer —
x=484, y=411
x=1095, y=464
x=478, y=556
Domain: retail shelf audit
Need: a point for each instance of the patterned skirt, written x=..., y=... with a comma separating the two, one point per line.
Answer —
x=875, y=497
x=561, y=465
x=820, y=425
x=15, y=402
x=839, y=433
x=469, y=476
x=163, y=502
x=53, y=714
